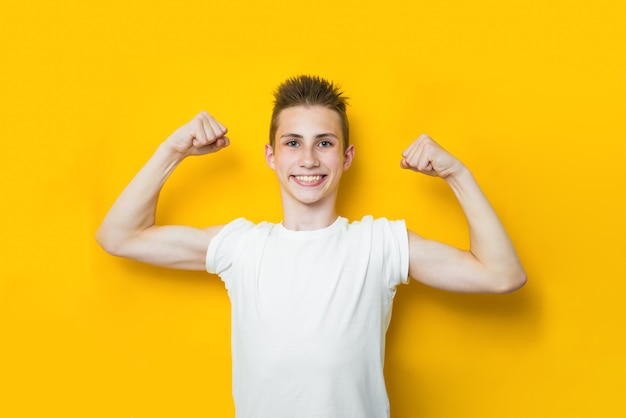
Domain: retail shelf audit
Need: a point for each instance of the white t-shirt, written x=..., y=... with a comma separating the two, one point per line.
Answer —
x=310, y=310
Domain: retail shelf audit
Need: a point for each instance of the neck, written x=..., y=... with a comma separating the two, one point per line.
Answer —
x=301, y=217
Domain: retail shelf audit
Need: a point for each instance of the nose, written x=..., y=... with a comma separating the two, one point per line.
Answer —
x=308, y=158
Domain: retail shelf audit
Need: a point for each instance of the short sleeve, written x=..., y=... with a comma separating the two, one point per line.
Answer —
x=401, y=238
x=391, y=237
x=224, y=247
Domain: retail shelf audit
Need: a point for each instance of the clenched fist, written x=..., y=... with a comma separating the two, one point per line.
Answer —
x=425, y=156
x=202, y=135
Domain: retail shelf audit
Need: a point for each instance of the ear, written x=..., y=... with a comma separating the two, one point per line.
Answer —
x=269, y=156
x=348, y=156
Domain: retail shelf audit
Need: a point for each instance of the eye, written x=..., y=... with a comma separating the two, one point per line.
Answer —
x=325, y=143
x=292, y=143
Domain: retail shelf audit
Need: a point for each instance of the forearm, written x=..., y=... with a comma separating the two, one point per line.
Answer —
x=489, y=241
x=134, y=210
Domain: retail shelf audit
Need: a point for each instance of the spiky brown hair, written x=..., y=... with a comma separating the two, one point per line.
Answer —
x=306, y=90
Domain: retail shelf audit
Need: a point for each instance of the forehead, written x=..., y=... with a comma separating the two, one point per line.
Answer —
x=309, y=119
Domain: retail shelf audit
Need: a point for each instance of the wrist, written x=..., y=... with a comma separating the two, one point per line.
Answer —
x=170, y=152
x=458, y=176
x=167, y=157
x=456, y=170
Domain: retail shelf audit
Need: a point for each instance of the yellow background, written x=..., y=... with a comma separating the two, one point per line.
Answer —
x=529, y=94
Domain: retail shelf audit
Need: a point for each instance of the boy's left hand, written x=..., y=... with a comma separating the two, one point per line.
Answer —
x=425, y=156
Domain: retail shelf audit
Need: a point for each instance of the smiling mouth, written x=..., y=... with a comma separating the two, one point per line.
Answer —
x=309, y=180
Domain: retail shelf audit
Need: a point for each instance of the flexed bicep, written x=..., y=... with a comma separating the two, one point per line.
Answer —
x=129, y=229
x=445, y=267
x=172, y=246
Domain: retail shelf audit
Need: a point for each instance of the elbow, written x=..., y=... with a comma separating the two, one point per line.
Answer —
x=514, y=281
x=108, y=243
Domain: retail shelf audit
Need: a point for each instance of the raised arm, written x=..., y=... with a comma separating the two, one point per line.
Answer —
x=491, y=264
x=129, y=229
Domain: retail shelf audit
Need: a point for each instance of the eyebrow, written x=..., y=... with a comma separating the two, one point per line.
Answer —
x=324, y=135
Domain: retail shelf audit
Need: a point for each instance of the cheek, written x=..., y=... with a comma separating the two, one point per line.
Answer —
x=283, y=163
x=339, y=161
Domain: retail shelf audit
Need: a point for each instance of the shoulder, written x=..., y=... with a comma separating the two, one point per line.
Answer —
x=242, y=226
x=379, y=224
x=388, y=246
x=380, y=231
x=233, y=240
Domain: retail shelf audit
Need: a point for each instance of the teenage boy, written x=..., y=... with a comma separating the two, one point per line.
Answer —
x=311, y=296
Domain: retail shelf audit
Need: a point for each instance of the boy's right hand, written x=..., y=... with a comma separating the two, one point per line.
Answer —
x=202, y=135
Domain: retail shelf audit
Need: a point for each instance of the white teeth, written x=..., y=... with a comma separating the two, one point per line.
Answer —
x=308, y=179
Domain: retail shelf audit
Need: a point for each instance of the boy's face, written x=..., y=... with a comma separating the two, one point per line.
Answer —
x=308, y=154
